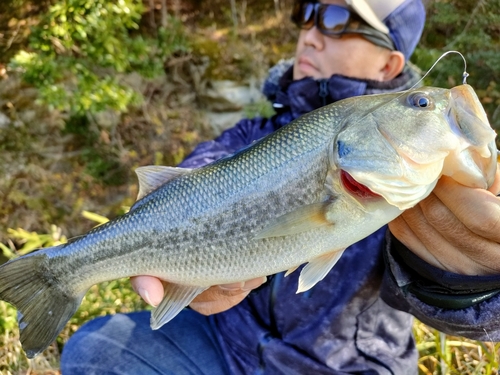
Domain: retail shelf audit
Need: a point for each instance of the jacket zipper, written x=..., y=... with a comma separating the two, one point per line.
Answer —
x=323, y=90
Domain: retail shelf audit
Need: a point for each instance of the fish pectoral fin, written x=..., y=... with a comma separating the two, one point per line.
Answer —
x=151, y=177
x=303, y=219
x=176, y=297
x=316, y=270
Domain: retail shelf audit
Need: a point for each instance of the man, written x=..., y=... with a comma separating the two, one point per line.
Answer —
x=441, y=262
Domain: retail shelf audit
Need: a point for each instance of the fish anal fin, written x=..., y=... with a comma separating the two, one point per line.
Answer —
x=151, y=177
x=291, y=270
x=316, y=270
x=44, y=307
x=176, y=297
x=304, y=218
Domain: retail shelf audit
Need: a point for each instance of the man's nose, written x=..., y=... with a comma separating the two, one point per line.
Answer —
x=314, y=38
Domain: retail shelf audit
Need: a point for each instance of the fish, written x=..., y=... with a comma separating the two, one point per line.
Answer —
x=299, y=196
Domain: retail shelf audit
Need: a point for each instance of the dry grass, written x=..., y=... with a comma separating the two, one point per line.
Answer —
x=441, y=354
x=44, y=168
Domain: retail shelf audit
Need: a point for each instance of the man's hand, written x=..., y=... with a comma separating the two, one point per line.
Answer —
x=456, y=228
x=213, y=300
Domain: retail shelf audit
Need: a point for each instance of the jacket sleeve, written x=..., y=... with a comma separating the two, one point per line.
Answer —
x=452, y=303
x=242, y=134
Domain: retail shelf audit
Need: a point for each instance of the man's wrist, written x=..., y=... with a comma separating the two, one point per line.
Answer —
x=447, y=300
x=437, y=287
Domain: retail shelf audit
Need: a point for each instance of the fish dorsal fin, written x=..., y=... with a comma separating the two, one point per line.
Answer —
x=151, y=177
x=176, y=297
x=302, y=219
x=316, y=270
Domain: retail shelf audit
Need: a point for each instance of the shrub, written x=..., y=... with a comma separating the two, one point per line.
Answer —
x=80, y=47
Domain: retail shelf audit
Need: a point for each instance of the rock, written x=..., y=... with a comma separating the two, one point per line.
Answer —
x=28, y=116
x=4, y=121
x=228, y=96
x=135, y=81
x=220, y=121
x=108, y=119
x=223, y=102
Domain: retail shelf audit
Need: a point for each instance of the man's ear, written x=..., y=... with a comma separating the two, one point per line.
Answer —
x=394, y=65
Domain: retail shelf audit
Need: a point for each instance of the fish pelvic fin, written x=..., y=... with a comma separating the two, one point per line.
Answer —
x=176, y=297
x=316, y=270
x=43, y=307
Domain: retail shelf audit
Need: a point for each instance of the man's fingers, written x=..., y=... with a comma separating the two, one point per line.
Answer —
x=149, y=288
x=402, y=231
x=214, y=299
x=222, y=297
x=417, y=234
x=478, y=210
x=434, y=232
x=245, y=285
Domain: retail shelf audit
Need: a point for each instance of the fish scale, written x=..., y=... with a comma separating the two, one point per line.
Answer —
x=271, y=207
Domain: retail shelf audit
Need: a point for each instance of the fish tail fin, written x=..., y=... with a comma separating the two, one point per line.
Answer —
x=43, y=306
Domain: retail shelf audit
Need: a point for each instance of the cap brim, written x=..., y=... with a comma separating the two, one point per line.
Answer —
x=362, y=8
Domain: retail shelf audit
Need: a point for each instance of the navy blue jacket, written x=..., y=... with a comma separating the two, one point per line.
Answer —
x=355, y=321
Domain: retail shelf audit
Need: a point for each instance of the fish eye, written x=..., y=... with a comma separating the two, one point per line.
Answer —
x=420, y=100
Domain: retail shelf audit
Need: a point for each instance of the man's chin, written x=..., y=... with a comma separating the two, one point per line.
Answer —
x=305, y=70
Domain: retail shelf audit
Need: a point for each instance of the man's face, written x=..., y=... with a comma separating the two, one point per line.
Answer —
x=320, y=56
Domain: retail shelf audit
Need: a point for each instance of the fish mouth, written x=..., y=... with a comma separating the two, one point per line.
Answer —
x=475, y=165
x=355, y=188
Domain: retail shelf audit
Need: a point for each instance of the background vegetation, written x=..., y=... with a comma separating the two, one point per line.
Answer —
x=91, y=89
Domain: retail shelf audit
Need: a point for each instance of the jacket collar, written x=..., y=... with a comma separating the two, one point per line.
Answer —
x=307, y=94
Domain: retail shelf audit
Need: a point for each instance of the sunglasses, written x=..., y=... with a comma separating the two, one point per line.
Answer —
x=334, y=20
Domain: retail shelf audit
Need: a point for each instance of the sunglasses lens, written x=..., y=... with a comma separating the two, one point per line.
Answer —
x=332, y=19
x=303, y=15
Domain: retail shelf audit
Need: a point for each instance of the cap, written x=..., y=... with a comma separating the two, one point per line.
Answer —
x=402, y=20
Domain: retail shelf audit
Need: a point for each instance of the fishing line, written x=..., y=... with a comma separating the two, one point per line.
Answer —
x=464, y=74
x=464, y=81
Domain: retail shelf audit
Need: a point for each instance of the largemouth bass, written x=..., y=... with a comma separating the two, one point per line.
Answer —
x=299, y=196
